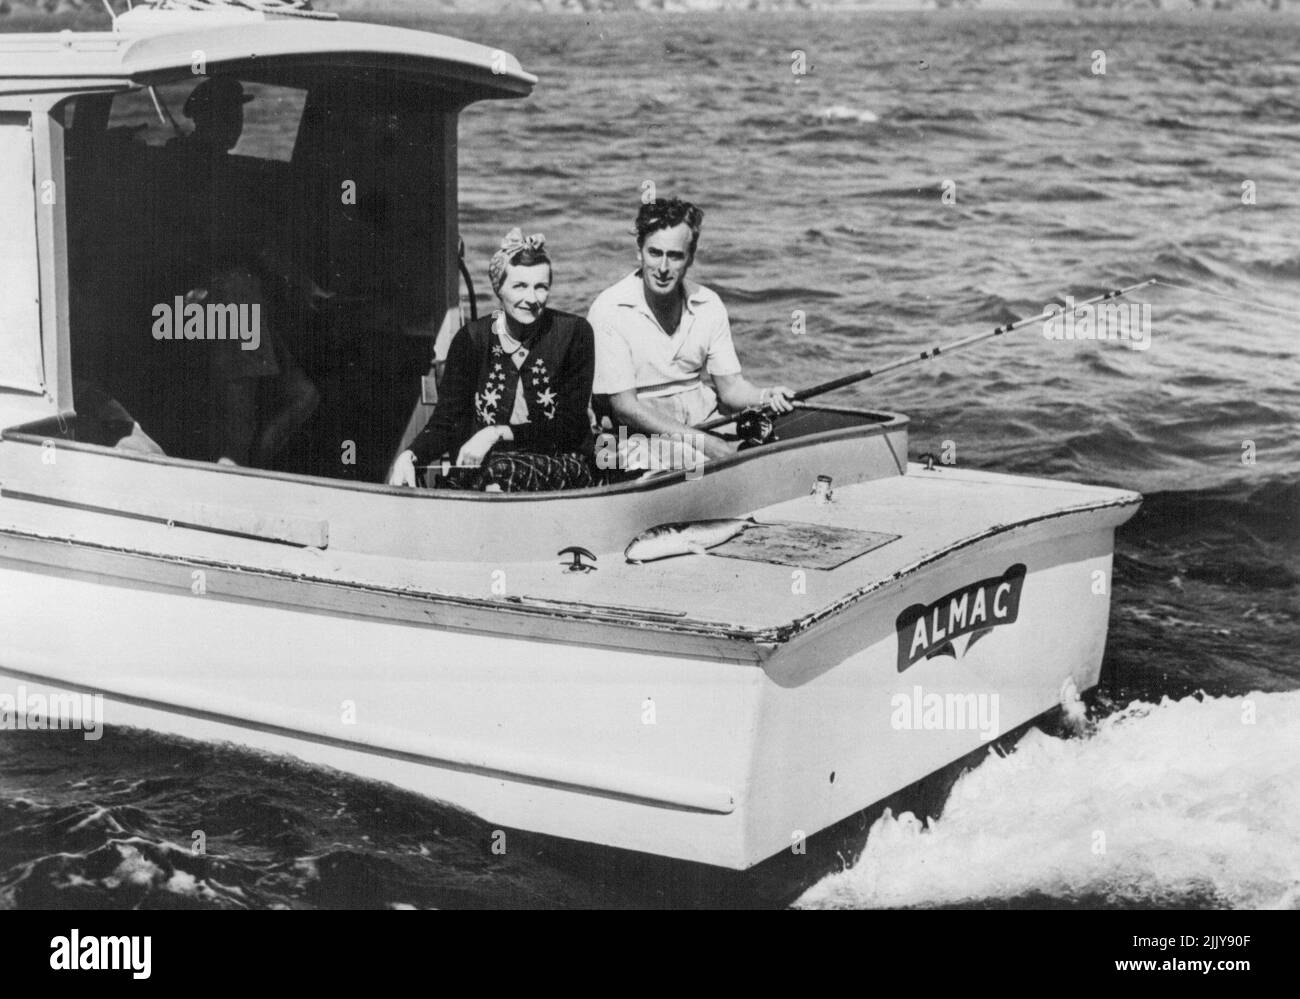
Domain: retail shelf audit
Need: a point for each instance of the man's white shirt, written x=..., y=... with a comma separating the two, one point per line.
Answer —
x=634, y=352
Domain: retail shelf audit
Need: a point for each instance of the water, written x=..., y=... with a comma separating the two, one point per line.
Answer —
x=823, y=194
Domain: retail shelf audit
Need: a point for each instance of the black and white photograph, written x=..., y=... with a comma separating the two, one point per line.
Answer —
x=651, y=454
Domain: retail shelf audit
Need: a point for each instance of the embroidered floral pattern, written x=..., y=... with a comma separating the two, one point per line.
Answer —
x=502, y=378
x=541, y=384
x=488, y=398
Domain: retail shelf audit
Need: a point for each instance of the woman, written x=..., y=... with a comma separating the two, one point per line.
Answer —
x=512, y=407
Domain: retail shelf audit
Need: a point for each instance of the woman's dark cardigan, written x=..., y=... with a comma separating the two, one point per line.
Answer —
x=478, y=390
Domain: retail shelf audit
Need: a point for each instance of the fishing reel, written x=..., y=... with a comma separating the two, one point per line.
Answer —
x=755, y=427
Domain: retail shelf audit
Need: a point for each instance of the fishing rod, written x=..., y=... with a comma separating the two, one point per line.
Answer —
x=817, y=407
x=1290, y=313
x=939, y=349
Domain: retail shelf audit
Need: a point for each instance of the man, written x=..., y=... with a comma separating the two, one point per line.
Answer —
x=262, y=396
x=657, y=334
x=216, y=106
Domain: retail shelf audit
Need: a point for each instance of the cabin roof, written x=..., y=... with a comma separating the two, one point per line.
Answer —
x=155, y=53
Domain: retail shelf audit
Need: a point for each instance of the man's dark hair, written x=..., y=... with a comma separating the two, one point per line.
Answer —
x=664, y=213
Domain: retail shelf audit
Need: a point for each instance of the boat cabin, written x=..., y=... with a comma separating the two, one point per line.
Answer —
x=344, y=174
x=341, y=176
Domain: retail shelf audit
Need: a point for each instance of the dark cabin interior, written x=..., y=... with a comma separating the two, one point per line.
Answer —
x=333, y=182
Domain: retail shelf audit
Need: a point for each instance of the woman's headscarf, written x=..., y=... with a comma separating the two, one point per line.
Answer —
x=514, y=243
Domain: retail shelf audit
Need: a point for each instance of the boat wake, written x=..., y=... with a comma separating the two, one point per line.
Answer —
x=1194, y=803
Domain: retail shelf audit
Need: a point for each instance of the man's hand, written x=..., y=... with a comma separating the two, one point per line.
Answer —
x=779, y=398
x=403, y=473
x=474, y=450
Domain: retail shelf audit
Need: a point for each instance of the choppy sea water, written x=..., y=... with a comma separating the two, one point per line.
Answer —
x=824, y=194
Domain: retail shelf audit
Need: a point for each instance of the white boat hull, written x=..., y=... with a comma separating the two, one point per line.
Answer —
x=721, y=758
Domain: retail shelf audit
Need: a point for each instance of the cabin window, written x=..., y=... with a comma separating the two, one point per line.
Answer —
x=327, y=203
x=271, y=117
x=134, y=113
x=20, y=322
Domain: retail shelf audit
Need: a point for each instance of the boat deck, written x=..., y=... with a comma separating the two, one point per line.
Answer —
x=930, y=512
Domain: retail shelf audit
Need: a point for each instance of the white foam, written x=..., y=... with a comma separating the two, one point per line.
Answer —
x=838, y=112
x=135, y=869
x=94, y=818
x=183, y=883
x=1158, y=804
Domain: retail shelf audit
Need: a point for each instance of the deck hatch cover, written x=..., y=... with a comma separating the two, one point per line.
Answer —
x=805, y=546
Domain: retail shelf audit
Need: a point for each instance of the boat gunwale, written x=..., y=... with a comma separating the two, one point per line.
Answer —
x=765, y=641
x=21, y=434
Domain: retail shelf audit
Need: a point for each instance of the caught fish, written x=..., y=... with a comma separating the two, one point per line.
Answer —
x=694, y=536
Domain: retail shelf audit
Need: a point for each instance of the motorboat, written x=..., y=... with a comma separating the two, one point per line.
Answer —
x=872, y=620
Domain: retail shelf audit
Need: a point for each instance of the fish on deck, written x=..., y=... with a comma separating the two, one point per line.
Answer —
x=684, y=538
